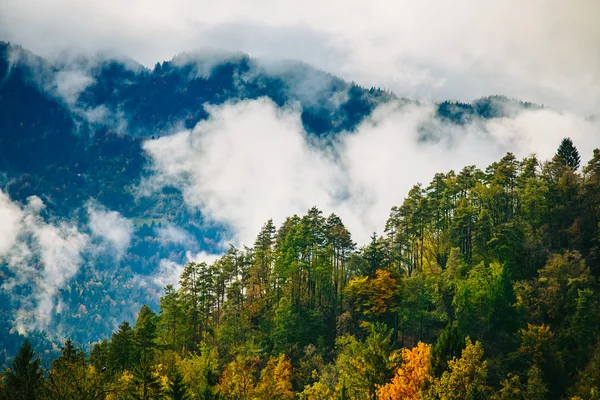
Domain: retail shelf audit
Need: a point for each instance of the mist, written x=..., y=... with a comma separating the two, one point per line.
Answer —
x=543, y=51
x=252, y=161
x=41, y=257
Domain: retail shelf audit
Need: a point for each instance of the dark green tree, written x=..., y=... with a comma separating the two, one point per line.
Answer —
x=146, y=384
x=567, y=154
x=145, y=330
x=177, y=387
x=100, y=355
x=25, y=379
x=122, y=349
x=449, y=344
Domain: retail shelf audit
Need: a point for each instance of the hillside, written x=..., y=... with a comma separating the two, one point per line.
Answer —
x=485, y=285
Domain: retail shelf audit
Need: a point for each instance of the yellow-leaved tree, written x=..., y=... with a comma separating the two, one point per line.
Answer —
x=410, y=377
x=373, y=296
x=275, y=380
x=237, y=381
x=465, y=378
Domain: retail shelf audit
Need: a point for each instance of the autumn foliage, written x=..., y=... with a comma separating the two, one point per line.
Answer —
x=410, y=376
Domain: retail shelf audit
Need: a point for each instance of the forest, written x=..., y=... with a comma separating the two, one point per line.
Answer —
x=484, y=285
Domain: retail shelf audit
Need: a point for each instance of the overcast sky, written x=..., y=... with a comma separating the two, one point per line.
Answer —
x=545, y=51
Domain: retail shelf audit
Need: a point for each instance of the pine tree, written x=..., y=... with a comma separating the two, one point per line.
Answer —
x=536, y=389
x=122, y=350
x=466, y=376
x=177, y=387
x=145, y=330
x=72, y=378
x=146, y=383
x=170, y=326
x=449, y=345
x=70, y=355
x=567, y=154
x=100, y=355
x=25, y=379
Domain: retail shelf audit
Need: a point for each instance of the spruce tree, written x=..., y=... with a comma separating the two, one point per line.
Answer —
x=567, y=154
x=177, y=387
x=122, y=350
x=449, y=345
x=25, y=379
x=146, y=383
x=145, y=330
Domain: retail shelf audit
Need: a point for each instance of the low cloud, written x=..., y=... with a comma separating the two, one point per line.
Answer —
x=169, y=271
x=175, y=234
x=67, y=77
x=542, y=51
x=110, y=227
x=251, y=161
x=69, y=84
x=41, y=258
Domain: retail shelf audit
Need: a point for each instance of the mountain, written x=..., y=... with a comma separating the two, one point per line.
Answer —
x=71, y=133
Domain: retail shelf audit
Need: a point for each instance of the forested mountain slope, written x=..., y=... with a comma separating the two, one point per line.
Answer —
x=485, y=285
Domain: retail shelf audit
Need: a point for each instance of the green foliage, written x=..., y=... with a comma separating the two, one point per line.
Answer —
x=177, y=387
x=568, y=154
x=145, y=331
x=449, y=345
x=73, y=378
x=201, y=372
x=145, y=384
x=122, y=350
x=363, y=367
x=507, y=256
x=514, y=389
x=25, y=379
x=466, y=376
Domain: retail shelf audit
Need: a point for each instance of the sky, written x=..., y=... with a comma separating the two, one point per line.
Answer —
x=544, y=51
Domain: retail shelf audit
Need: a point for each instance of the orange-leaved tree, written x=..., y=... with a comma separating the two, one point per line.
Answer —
x=410, y=376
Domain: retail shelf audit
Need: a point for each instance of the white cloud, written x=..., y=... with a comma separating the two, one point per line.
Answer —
x=70, y=83
x=251, y=161
x=542, y=51
x=169, y=271
x=111, y=227
x=40, y=256
x=11, y=216
x=235, y=159
x=175, y=234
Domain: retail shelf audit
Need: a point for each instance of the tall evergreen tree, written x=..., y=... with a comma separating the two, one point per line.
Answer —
x=25, y=379
x=177, y=387
x=449, y=345
x=122, y=349
x=145, y=330
x=567, y=154
x=146, y=384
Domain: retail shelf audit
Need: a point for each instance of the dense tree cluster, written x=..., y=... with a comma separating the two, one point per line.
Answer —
x=485, y=285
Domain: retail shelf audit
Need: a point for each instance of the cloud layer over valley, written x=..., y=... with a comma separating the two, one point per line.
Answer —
x=42, y=256
x=251, y=161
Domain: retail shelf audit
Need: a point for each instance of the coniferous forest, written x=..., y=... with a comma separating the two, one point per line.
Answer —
x=483, y=286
